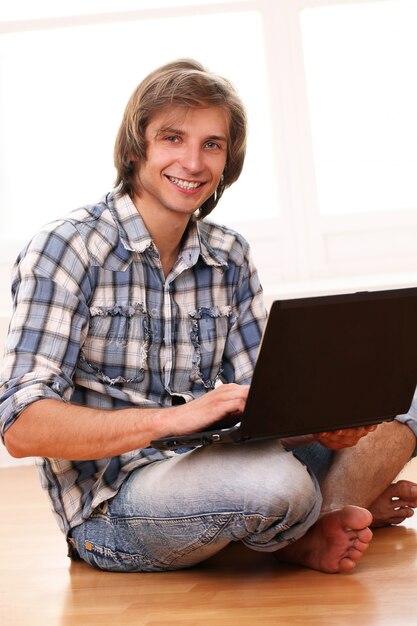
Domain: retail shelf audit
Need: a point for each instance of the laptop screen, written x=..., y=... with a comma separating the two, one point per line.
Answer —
x=335, y=362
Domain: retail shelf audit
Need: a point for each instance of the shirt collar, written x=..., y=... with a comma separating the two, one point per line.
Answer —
x=135, y=236
x=133, y=233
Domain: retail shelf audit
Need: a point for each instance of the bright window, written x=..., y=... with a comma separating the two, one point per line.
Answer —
x=64, y=91
x=360, y=62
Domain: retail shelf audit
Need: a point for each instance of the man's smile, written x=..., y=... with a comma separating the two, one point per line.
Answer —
x=184, y=184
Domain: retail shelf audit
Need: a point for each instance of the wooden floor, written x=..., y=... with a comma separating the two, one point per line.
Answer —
x=40, y=587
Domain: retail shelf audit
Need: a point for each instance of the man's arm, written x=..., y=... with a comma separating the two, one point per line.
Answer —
x=51, y=428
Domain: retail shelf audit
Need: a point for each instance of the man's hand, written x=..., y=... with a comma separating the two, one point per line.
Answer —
x=225, y=400
x=339, y=439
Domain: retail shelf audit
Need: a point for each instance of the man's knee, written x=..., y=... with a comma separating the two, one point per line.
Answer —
x=279, y=486
x=254, y=478
x=287, y=504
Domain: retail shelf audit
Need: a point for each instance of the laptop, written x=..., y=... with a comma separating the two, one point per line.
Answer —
x=326, y=363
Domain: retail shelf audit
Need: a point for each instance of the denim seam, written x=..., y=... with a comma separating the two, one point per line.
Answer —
x=218, y=522
x=211, y=533
x=136, y=520
x=115, y=555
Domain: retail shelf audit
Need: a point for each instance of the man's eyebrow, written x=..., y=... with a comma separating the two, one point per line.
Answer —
x=178, y=131
x=169, y=129
x=217, y=138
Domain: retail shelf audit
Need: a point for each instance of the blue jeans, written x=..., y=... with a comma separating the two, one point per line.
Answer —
x=177, y=512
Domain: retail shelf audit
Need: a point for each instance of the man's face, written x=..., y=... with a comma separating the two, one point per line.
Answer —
x=185, y=158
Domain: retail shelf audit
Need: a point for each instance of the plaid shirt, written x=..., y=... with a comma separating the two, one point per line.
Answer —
x=96, y=323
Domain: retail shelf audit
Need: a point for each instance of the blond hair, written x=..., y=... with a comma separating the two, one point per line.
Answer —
x=186, y=83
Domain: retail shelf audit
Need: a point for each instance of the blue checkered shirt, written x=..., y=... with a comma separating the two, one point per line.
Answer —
x=96, y=323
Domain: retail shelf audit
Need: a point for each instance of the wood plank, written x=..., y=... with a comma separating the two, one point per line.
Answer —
x=39, y=586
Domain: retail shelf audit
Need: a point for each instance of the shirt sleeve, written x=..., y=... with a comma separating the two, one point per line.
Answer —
x=49, y=321
x=248, y=321
x=410, y=419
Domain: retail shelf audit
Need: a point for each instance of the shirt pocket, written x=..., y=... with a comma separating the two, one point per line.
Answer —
x=117, y=344
x=209, y=331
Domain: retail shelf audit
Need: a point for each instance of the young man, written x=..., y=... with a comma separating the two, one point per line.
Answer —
x=129, y=314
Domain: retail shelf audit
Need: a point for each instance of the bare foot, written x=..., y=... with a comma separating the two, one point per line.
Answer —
x=395, y=504
x=334, y=543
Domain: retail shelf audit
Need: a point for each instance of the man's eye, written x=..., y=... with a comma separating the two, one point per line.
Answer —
x=172, y=138
x=213, y=145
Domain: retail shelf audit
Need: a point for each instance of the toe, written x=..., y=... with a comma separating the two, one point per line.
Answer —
x=404, y=511
x=346, y=564
x=404, y=490
x=398, y=504
x=354, y=554
x=356, y=518
x=360, y=545
x=365, y=535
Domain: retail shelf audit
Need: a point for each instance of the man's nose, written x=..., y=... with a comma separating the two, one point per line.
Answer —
x=192, y=158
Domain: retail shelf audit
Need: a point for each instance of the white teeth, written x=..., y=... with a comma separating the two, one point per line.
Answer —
x=184, y=184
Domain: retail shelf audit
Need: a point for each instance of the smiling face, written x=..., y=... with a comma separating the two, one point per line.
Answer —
x=185, y=158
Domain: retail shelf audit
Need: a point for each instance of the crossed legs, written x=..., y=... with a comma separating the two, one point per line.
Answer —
x=148, y=527
x=363, y=476
x=178, y=512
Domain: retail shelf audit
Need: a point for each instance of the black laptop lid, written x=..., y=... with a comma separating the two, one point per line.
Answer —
x=334, y=361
